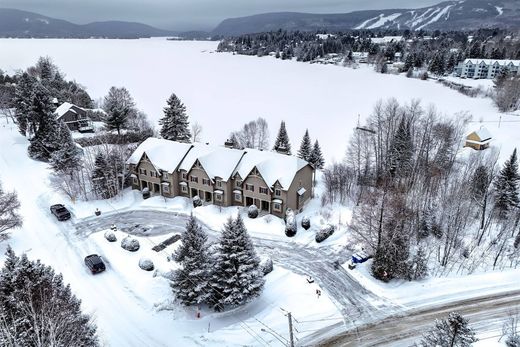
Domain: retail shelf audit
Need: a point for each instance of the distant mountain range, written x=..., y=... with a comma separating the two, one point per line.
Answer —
x=449, y=15
x=16, y=23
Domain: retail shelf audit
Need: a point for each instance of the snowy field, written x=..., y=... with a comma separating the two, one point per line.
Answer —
x=222, y=91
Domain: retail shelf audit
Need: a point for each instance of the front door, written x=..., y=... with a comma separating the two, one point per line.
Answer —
x=249, y=201
x=194, y=192
x=208, y=196
x=156, y=188
x=265, y=205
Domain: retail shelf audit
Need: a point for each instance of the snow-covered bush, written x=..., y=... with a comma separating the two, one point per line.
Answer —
x=266, y=265
x=110, y=236
x=252, y=211
x=197, y=201
x=324, y=233
x=290, y=223
x=146, y=264
x=130, y=244
x=146, y=193
x=306, y=223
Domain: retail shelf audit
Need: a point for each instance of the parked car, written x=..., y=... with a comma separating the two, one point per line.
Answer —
x=60, y=212
x=95, y=263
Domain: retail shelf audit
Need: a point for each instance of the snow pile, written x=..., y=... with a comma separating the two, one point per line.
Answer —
x=146, y=264
x=130, y=244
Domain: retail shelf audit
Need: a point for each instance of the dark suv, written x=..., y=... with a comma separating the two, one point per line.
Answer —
x=94, y=263
x=60, y=212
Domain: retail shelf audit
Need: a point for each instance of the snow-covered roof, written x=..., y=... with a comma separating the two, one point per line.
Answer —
x=271, y=165
x=482, y=133
x=63, y=108
x=217, y=161
x=501, y=62
x=165, y=155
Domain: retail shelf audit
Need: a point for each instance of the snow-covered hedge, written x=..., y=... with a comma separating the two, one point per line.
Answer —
x=130, y=244
x=146, y=264
x=290, y=223
x=306, y=223
x=324, y=233
x=252, y=211
x=110, y=236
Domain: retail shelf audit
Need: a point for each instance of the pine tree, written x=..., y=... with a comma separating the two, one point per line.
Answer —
x=306, y=147
x=191, y=282
x=238, y=277
x=37, y=309
x=419, y=265
x=437, y=64
x=46, y=141
x=118, y=105
x=100, y=177
x=506, y=186
x=316, y=156
x=450, y=332
x=401, y=150
x=282, y=140
x=67, y=158
x=23, y=101
x=175, y=125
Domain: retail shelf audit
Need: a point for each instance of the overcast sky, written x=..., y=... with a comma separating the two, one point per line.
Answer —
x=192, y=14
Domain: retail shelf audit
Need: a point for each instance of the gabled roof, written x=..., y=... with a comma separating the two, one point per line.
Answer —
x=165, y=155
x=216, y=161
x=63, y=108
x=483, y=134
x=501, y=62
x=271, y=165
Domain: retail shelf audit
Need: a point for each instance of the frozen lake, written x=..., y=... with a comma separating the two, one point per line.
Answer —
x=222, y=91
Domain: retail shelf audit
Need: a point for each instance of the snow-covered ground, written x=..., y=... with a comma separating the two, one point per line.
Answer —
x=133, y=307
x=222, y=91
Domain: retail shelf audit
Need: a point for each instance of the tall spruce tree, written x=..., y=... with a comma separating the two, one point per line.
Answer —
x=38, y=309
x=190, y=282
x=23, y=101
x=316, y=157
x=67, y=158
x=118, y=105
x=46, y=141
x=175, y=125
x=401, y=150
x=451, y=332
x=506, y=186
x=282, y=143
x=99, y=177
x=237, y=278
x=305, y=147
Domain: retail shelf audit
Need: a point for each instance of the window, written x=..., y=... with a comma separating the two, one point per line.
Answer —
x=166, y=188
x=184, y=175
x=153, y=174
x=165, y=175
x=278, y=192
x=218, y=197
x=142, y=171
x=184, y=189
x=219, y=184
x=206, y=182
x=194, y=179
x=277, y=206
x=263, y=190
x=250, y=187
x=238, y=197
x=135, y=180
x=239, y=184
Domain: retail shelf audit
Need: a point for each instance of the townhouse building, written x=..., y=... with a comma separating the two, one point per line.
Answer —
x=222, y=176
x=486, y=68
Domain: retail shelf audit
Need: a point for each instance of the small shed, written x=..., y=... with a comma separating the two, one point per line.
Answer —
x=479, y=139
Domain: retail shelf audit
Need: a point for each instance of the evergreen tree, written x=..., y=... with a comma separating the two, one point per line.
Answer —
x=37, y=309
x=506, y=186
x=437, y=64
x=282, y=140
x=23, y=101
x=238, y=277
x=191, y=282
x=316, y=157
x=451, y=332
x=419, y=265
x=46, y=141
x=99, y=177
x=401, y=150
x=175, y=125
x=118, y=105
x=306, y=147
x=67, y=158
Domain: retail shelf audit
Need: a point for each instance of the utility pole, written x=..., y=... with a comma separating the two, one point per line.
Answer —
x=291, y=336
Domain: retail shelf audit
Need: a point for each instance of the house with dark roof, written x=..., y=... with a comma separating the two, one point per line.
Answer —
x=74, y=117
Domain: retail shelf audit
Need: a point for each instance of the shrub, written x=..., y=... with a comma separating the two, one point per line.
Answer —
x=130, y=244
x=290, y=223
x=197, y=201
x=266, y=266
x=252, y=211
x=110, y=236
x=306, y=223
x=324, y=233
x=146, y=264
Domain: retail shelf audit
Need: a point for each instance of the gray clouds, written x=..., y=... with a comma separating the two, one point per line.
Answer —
x=192, y=14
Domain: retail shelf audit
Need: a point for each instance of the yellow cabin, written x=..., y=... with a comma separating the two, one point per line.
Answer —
x=478, y=140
